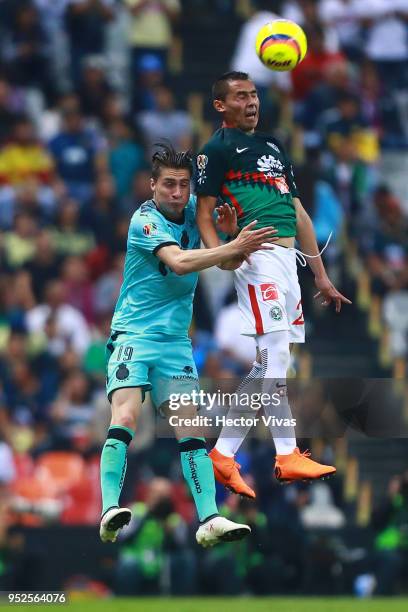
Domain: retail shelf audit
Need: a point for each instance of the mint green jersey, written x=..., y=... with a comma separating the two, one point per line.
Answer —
x=153, y=300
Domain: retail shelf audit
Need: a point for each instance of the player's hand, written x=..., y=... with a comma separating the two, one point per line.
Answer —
x=250, y=240
x=234, y=263
x=329, y=292
x=226, y=221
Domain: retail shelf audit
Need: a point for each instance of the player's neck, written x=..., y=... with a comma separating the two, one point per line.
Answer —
x=249, y=132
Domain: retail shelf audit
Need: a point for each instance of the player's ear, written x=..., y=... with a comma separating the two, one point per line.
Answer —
x=219, y=106
x=152, y=184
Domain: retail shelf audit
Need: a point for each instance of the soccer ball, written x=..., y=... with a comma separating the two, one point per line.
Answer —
x=281, y=44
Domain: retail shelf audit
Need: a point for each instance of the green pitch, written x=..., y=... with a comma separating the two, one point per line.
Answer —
x=227, y=604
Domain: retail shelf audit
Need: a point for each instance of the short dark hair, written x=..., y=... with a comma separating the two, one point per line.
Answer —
x=168, y=157
x=220, y=87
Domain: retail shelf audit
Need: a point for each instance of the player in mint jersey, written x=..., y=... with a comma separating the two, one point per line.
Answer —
x=251, y=172
x=149, y=348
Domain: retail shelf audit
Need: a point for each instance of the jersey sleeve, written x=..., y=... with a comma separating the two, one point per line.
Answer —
x=149, y=234
x=290, y=176
x=211, y=169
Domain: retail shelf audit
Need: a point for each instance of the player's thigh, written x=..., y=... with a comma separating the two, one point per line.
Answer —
x=128, y=358
x=126, y=405
x=294, y=311
x=174, y=373
x=261, y=290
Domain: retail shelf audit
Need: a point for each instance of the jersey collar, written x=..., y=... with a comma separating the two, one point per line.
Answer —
x=179, y=222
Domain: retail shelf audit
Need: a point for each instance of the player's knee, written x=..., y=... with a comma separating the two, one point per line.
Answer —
x=283, y=357
x=126, y=419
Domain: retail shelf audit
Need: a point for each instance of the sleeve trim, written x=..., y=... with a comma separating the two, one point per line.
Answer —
x=163, y=244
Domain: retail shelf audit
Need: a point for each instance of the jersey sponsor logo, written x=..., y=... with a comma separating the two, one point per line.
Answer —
x=202, y=161
x=188, y=369
x=273, y=146
x=242, y=150
x=276, y=313
x=269, y=292
x=150, y=229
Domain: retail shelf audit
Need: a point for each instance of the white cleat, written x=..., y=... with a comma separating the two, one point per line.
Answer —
x=112, y=521
x=220, y=529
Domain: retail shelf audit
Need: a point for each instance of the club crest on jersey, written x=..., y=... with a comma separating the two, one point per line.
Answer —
x=269, y=292
x=276, y=313
x=150, y=229
x=202, y=161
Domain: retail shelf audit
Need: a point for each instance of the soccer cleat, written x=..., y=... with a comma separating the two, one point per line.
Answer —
x=220, y=529
x=226, y=471
x=112, y=521
x=298, y=466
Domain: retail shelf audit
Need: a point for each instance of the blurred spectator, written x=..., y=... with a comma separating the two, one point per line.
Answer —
x=26, y=52
x=344, y=16
x=321, y=512
x=125, y=155
x=323, y=97
x=390, y=521
x=165, y=122
x=7, y=465
x=305, y=12
x=69, y=236
x=150, y=73
x=387, y=39
x=25, y=158
x=155, y=533
x=45, y=264
x=72, y=411
x=108, y=286
x=78, y=288
x=346, y=121
x=239, y=352
x=94, y=358
x=387, y=249
x=310, y=72
x=70, y=327
x=8, y=115
x=19, y=243
x=93, y=86
x=100, y=214
x=151, y=28
x=85, y=23
x=79, y=154
x=141, y=191
x=349, y=176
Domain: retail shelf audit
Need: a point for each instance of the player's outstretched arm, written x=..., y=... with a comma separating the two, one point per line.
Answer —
x=205, y=220
x=307, y=239
x=248, y=241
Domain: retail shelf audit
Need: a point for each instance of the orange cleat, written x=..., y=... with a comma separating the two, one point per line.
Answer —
x=298, y=466
x=226, y=471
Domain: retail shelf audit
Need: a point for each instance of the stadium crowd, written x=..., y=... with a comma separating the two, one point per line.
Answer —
x=86, y=90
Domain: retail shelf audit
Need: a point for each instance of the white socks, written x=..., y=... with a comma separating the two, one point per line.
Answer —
x=231, y=438
x=269, y=377
x=275, y=359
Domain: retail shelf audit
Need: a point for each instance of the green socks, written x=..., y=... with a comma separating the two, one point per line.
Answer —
x=199, y=474
x=113, y=465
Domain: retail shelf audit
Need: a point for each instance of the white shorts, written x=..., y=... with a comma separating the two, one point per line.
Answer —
x=269, y=294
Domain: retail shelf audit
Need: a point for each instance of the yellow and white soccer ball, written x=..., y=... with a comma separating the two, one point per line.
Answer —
x=281, y=45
